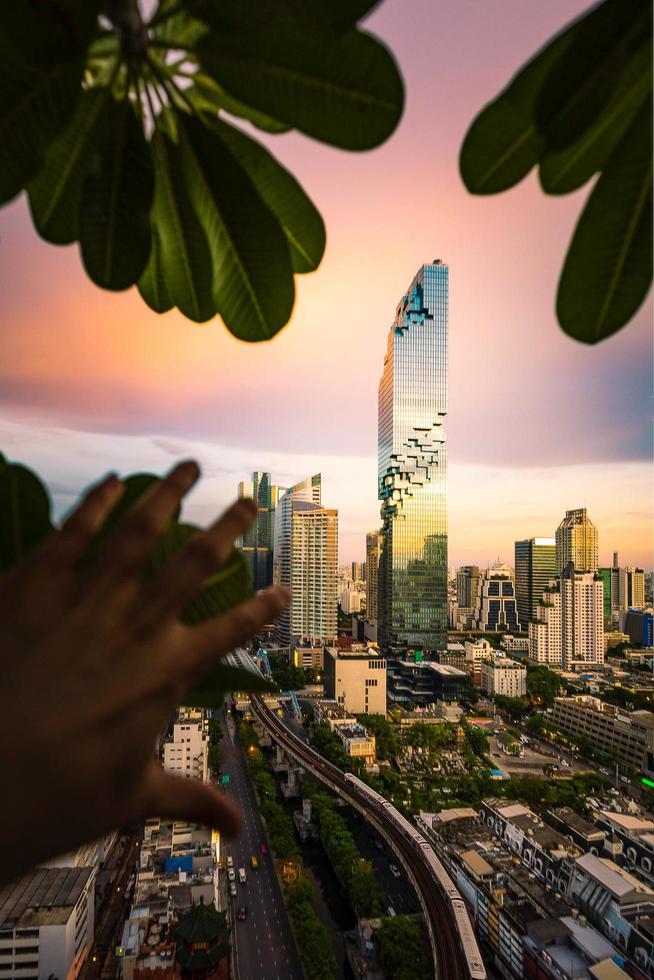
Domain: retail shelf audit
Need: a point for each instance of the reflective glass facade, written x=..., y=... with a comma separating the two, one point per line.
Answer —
x=535, y=566
x=257, y=542
x=412, y=469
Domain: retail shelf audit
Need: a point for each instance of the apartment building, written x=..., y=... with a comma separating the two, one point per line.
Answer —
x=185, y=752
x=505, y=677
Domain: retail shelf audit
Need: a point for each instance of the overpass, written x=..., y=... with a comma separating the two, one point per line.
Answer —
x=447, y=946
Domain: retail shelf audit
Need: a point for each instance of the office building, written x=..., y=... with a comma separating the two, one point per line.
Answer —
x=582, y=618
x=546, y=630
x=535, y=566
x=257, y=542
x=424, y=682
x=185, y=751
x=467, y=586
x=412, y=469
x=357, y=571
x=607, y=576
x=495, y=606
x=46, y=923
x=576, y=542
x=627, y=734
x=505, y=677
x=631, y=589
x=306, y=560
x=373, y=551
x=637, y=624
x=356, y=678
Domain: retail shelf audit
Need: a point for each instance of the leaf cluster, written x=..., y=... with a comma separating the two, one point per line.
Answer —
x=583, y=106
x=25, y=522
x=121, y=130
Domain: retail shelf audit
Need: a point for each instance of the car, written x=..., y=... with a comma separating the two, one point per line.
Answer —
x=231, y=874
x=242, y=877
x=254, y=863
x=624, y=779
x=242, y=913
x=263, y=847
x=232, y=888
x=230, y=861
x=395, y=871
x=379, y=845
x=391, y=911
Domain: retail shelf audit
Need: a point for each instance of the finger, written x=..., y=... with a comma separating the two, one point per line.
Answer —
x=190, y=799
x=200, y=559
x=81, y=526
x=204, y=644
x=138, y=532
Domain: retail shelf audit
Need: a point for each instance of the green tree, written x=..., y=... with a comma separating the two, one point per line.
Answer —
x=543, y=685
x=400, y=949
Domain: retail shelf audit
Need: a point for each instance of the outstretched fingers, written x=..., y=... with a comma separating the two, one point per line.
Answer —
x=84, y=522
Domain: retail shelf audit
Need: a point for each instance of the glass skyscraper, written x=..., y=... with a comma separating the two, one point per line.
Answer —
x=412, y=459
x=535, y=566
x=257, y=542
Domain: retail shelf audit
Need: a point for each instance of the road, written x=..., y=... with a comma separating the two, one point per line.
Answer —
x=449, y=962
x=398, y=893
x=264, y=946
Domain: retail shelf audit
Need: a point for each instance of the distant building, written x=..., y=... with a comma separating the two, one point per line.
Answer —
x=354, y=737
x=535, y=566
x=495, y=606
x=546, y=630
x=628, y=734
x=638, y=625
x=467, y=586
x=631, y=589
x=424, y=682
x=476, y=653
x=503, y=676
x=517, y=646
x=353, y=601
x=185, y=752
x=46, y=923
x=357, y=571
x=582, y=618
x=576, y=542
x=609, y=577
x=373, y=551
x=257, y=542
x=307, y=656
x=356, y=678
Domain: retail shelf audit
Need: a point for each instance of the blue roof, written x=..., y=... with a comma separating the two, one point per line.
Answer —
x=182, y=863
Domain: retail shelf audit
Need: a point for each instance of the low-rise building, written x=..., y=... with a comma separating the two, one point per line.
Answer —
x=307, y=656
x=628, y=734
x=355, y=738
x=515, y=645
x=503, y=676
x=355, y=677
x=425, y=682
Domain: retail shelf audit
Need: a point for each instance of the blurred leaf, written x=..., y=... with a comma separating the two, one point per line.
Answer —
x=55, y=193
x=184, y=251
x=207, y=95
x=566, y=170
x=345, y=90
x=252, y=277
x=210, y=692
x=579, y=85
x=152, y=285
x=24, y=513
x=608, y=269
x=182, y=27
x=300, y=220
x=114, y=221
x=503, y=144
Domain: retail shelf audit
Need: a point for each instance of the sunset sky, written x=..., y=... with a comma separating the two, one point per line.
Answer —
x=537, y=423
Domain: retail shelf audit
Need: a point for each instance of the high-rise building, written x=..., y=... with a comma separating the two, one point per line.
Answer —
x=412, y=469
x=631, y=589
x=495, y=606
x=582, y=618
x=357, y=571
x=535, y=565
x=545, y=630
x=306, y=560
x=373, y=549
x=576, y=542
x=606, y=575
x=467, y=586
x=257, y=542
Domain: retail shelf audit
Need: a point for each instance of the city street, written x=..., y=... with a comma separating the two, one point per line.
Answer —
x=264, y=946
x=398, y=893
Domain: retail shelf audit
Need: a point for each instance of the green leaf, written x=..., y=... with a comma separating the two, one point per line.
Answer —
x=181, y=28
x=579, y=85
x=608, y=268
x=210, y=692
x=114, y=219
x=280, y=191
x=565, y=170
x=152, y=285
x=252, y=275
x=24, y=513
x=184, y=253
x=55, y=194
x=503, y=144
x=345, y=90
x=207, y=94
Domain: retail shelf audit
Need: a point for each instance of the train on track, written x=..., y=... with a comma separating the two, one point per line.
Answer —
x=465, y=933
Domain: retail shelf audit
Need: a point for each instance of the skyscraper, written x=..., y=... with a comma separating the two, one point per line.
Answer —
x=412, y=469
x=535, y=565
x=257, y=542
x=576, y=542
x=467, y=586
x=306, y=560
x=495, y=605
x=582, y=618
x=373, y=550
x=631, y=589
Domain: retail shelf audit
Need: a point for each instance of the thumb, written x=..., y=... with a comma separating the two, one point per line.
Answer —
x=190, y=799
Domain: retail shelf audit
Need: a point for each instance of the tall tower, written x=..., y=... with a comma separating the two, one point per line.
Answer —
x=535, y=566
x=582, y=618
x=412, y=469
x=257, y=542
x=576, y=542
x=373, y=551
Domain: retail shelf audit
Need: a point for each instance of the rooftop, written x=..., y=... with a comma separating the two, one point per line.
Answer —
x=613, y=878
x=43, y=896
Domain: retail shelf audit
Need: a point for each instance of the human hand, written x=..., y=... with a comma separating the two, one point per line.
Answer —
x=94, y=661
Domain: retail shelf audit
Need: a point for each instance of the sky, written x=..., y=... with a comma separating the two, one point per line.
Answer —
x=537, y=423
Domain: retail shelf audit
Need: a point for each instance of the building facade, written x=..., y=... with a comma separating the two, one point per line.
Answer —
x=467, y=586
x=535, y=566
x=412, y=469
x=631, y=589
x=258, y=541
x=546, y=630
x=628, y=734
x=505, y=677
x=582, y=618
x=185, y=752
x=495, y=606
x=373, y=552
x=356, y=678
x=576, y=542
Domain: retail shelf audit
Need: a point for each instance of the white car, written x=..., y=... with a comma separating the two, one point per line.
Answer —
x=230, y=861
x=242, y=877
x=231, y=874
x=395, y=871
x=232, y=888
